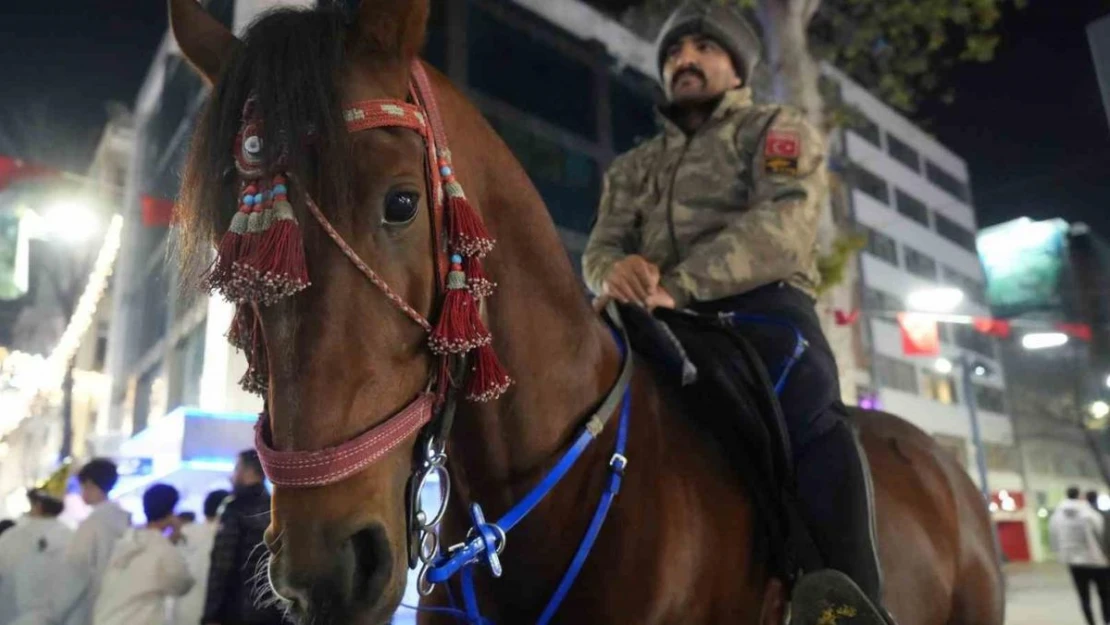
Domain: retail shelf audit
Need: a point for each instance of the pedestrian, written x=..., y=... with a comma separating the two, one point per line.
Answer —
x=197, y=547
x=1075, y=531
x=32, y=557
x=719, y=214
x=145, y=569
x=91, y=547
x=238, y=553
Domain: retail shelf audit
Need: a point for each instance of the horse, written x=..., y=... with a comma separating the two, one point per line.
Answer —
x=343, y=357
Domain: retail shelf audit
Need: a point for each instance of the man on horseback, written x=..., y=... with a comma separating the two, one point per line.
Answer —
x=719, y=213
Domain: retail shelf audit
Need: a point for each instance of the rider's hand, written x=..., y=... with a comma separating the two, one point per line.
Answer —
x=660, y=299
x=632, y=280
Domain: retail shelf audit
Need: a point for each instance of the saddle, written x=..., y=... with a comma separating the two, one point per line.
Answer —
x=728, y=393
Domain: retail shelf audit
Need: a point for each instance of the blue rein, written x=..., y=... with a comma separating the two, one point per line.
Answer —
x=486, y=540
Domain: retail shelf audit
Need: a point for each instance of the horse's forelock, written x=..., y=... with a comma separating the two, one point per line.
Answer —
x=290, y=61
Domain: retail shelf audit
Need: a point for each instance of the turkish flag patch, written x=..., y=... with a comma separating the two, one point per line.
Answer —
x=781, y=151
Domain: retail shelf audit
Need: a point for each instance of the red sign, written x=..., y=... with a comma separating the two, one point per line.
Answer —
x=920, y=336
x=156, y=211
x=1007, y=501
x=785, y=143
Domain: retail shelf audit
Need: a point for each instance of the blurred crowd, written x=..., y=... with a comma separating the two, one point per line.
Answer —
x=174, y=568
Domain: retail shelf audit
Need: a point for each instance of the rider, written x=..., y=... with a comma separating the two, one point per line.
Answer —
x=719, y=212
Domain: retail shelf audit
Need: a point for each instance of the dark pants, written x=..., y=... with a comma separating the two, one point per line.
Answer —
x=832, y=478
x=1083, y=576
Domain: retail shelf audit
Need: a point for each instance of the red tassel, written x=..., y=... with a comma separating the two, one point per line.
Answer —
x=241, y=335
x=468, y=235
x=460, y=328
x=476, y=280
x=488, y=378
x=220, y=271
x=277, y=265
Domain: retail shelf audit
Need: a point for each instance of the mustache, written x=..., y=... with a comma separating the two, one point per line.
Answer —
x=687, y=70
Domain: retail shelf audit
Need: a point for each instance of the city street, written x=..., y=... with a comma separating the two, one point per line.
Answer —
x=1041, y=594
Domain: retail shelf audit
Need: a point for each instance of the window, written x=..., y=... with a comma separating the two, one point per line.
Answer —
x=955, y=233
x=945, y=180
x=969, y=338
x=972, y=288
x=569, y=181
x=869, y=183
x=990, y=398
x=919, y=264
x=953, y=445
x=633, y=114
x=940, y=387
x=1002, y=457
x=188, y=363
x=526, y=77
x=882, y=246
x=867, y=130
x=1040, y=464
x=896, y=374
x=911, y=207
x=902, y=152
x=945, y=332
x=877, y=299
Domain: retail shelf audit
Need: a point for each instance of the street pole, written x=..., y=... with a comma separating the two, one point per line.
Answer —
x=973, y=416
x=66, y=449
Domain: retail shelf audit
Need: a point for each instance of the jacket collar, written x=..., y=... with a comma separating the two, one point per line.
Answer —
x=732, y=101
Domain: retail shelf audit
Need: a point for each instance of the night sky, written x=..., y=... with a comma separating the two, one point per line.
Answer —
x=1030, y=124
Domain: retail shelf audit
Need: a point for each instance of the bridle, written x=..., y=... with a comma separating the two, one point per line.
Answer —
x=261, y=260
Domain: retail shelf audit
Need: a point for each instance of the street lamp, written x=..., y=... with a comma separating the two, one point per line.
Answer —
x=935, y=300
x=943, y=366
x=1100, y=409
x=71, y=220
x=1044, y=340
x=1108, y=381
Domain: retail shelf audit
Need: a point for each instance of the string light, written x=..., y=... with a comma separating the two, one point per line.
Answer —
x=29, y=375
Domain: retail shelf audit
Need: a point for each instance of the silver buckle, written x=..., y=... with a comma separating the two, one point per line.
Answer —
x=618, y=462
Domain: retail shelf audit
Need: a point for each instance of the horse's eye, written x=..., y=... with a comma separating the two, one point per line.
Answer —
x=400, y=207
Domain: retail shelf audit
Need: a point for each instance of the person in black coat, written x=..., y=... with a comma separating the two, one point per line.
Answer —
x=231, y=598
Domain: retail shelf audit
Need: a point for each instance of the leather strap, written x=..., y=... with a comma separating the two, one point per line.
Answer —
x=307, y=469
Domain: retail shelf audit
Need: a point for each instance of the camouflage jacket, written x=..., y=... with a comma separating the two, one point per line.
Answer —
x=731, y=208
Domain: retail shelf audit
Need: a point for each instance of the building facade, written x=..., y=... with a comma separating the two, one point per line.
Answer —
x=911, y=198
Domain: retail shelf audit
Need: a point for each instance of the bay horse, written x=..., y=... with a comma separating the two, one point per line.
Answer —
x=340, y=359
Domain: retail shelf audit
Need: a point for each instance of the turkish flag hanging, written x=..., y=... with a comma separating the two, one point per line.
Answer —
x=157, y=212
x=1079, y=331
x=999, y=328
x=920, y=336
x=14, y=169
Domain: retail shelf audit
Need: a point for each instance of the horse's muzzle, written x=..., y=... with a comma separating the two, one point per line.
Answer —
x=348, y=583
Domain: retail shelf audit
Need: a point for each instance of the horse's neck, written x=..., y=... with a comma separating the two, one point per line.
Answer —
x=557, y=350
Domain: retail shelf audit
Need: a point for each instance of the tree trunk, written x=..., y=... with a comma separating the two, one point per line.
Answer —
x=795, y=77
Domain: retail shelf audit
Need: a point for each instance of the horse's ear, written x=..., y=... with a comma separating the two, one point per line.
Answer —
x=393, y=27
x=205, y=42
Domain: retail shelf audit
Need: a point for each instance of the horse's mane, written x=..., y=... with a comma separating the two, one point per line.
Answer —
x=290, y=60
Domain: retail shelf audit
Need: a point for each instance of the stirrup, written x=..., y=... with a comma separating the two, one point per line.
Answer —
x=829, y=597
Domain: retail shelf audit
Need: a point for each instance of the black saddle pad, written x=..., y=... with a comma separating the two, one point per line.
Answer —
x=727, y=392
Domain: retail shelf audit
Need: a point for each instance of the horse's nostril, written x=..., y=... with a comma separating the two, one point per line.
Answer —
x=373, y=561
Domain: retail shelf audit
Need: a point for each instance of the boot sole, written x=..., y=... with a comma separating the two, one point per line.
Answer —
x=830, y=597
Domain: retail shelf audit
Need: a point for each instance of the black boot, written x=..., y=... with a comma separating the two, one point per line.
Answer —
x=835, y=491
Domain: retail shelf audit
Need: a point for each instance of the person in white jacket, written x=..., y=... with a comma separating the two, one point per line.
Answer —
x=145, y=569
x=197, y=547
x=32, y=557
x=88, y=553
x=1075, y=531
